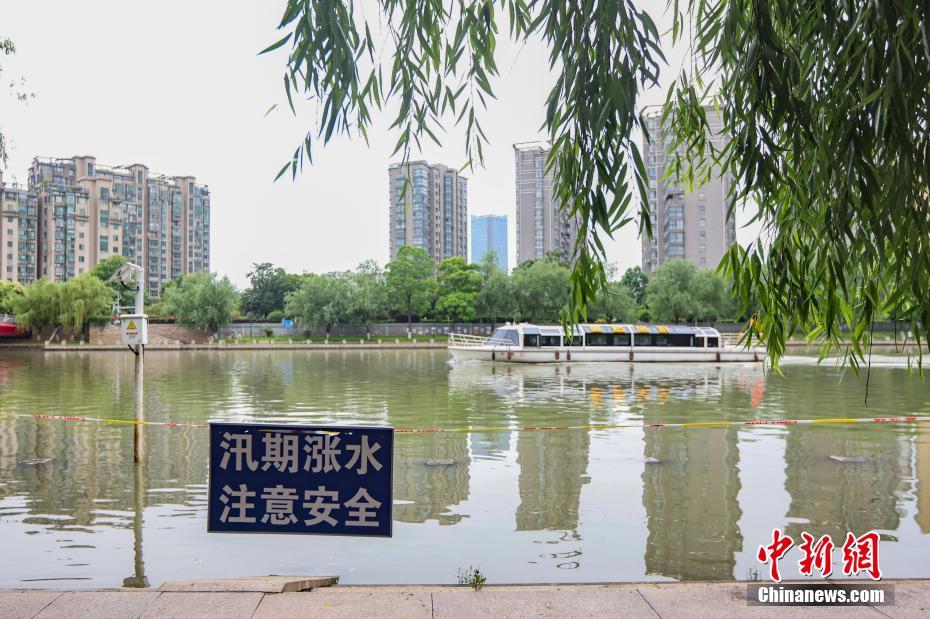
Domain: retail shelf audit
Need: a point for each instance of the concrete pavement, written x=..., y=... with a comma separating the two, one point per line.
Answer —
x=912, y=598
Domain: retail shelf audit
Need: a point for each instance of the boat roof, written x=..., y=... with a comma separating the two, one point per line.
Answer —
x=532, y=329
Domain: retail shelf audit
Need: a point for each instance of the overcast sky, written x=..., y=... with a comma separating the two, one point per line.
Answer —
x=178, y=86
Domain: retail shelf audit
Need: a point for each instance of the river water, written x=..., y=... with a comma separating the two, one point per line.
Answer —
x=574, y=505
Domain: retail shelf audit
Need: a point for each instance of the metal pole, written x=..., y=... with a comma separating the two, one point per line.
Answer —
x=138, y=438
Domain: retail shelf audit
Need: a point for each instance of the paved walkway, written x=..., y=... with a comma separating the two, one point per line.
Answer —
x=912, y=598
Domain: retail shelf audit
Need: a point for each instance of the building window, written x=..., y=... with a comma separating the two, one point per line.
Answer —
x=701, y=222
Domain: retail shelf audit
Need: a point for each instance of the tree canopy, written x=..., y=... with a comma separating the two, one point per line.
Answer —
x=409, y=280
x=540, y=289
x=269, y=286
x=677, y=291
x=8, y=292
x=824, y=105
x=495, y=301
x=459, y=284
x=104, y=270
x=320, y=300
x=39, y=305
x=73, y=303
x=202, y=300
x=82, y=298
x=635, y=281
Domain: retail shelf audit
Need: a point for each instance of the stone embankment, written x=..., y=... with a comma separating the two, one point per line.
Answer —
x=311, y=597
x=268, y=345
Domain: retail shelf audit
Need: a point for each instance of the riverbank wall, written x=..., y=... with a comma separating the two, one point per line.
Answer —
x=394, y=344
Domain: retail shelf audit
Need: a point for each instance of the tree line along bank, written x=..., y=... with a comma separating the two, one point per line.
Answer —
x=410, y=288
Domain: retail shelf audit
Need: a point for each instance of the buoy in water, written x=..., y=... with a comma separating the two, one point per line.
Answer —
x=850, y=459
x=34, y=462
x=439, y=462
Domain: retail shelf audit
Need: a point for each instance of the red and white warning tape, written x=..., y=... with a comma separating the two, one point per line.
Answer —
x=687, y=424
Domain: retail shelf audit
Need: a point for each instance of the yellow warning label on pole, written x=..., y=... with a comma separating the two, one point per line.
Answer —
x=133, y=329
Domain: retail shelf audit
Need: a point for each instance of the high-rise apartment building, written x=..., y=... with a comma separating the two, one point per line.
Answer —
x=18, y=233
x=489, y=234
x=429, y=209
x=694, y=225
x=88, y=212
x=542, y=227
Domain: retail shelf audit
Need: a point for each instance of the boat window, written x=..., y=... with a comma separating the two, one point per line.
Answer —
x=713, y=342
x=531, y=340
x=550, y=340
x=621, y=339
x=642, y=339
x=661, y=340
x=599, y=339
x=576, y=340
x=505, y=337
x=680, y=339
x=699, y=342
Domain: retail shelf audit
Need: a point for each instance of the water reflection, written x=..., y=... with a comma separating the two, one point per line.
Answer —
x=923, y=483
x=557, y=505
x=690, y=488
x=433, y=479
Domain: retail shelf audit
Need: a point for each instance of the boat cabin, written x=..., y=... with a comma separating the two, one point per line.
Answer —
x=528, y=336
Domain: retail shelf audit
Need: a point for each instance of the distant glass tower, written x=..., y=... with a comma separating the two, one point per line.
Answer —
x=489, y=233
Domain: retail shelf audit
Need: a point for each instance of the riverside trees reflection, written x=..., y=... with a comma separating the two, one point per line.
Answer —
x=593, y=504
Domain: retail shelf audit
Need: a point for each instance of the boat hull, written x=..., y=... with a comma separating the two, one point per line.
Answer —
x=642, y=354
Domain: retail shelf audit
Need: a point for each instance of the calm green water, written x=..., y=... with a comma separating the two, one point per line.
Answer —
x=542, y=506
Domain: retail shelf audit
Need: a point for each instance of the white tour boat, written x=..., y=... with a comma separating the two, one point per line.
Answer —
x=527, y=343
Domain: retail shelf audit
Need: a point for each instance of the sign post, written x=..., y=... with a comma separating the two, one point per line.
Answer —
x=134, y=332
x=270, y=478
